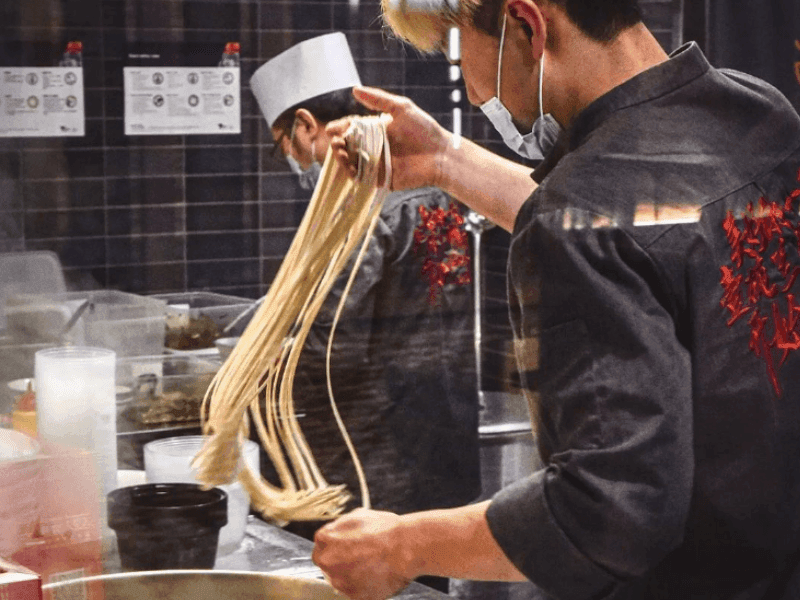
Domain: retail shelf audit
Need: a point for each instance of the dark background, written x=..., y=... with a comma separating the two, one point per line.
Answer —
x=151, y=214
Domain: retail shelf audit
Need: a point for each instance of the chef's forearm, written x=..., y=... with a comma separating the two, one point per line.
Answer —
x=455, y=543
x=489, y=184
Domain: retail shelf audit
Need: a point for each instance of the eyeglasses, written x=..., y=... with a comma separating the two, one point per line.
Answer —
x=277, y=151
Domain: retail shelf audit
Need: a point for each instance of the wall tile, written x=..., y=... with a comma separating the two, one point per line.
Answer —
x=221, y=217
x=279, y=215
x=141, y=190
x=283, y=187
x=144, y=162
x=147, y=279
x=301, y=17
x=88, y=253
x=73, y=223
x=139, y=220
x=275, y=243
x=217, y=246
x=213, y=160
x=62, y=164
x=10, y=165
x=10, y=194
x=62, y=194
x=204, y=15
x=139, y=249
x=232, y=189
x=360, y=17
x=203, y=275
x=382, y=73
x=427, y=70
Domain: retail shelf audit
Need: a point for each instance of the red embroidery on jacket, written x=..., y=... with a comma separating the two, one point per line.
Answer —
x=797, y=64
x=442, y=239
x=760, y=240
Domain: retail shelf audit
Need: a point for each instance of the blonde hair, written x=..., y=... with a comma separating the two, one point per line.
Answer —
x=426, y=30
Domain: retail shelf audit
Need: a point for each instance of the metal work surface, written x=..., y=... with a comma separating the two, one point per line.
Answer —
x=270, y=564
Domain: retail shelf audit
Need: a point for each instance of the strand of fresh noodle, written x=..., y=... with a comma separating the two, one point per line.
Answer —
x=285, y=433
x=340, y=213
x=383, y=192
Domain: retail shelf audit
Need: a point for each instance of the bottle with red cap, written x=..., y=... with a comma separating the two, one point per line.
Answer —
x=230, y=57
x=73, y=57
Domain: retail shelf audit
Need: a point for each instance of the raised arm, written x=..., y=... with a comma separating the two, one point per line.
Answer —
x=424, y=153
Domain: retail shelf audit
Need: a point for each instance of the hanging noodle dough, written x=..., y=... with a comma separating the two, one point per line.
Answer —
x=343, y=211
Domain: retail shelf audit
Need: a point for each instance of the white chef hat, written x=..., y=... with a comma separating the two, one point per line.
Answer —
x=317, y=66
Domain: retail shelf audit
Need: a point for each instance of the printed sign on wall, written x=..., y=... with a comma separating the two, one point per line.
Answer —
x=41, y=102
x=182, y=100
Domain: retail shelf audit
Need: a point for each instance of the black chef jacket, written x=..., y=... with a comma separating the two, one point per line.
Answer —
x=403, y=374
x=653, y=283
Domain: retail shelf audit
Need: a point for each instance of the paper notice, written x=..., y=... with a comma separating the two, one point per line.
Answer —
x=182, y=100
x=41, y=102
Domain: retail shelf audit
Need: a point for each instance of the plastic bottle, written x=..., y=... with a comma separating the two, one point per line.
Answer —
x=73, y=57
x=230, y=57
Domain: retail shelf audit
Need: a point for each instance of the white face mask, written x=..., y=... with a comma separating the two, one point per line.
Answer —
x=534, y=145
x=308, y=177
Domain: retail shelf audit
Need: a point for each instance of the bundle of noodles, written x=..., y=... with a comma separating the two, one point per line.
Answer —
x=342, y=213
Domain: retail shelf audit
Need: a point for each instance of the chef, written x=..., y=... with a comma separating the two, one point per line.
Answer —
x=653, y=283
x=402, y=360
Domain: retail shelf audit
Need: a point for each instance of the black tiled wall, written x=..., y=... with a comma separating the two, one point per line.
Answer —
x=150, y=214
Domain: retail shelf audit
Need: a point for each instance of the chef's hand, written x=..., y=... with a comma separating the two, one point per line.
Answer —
x=417, y=142
x=361, y=555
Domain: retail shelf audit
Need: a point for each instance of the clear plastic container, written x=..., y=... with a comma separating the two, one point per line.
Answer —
x=162, y=391
x=35, y=272
x=128, y=324
x=196, y=319
x=169, y=461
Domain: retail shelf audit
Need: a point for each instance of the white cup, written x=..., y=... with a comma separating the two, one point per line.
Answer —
x=76, y=404
x=169, y=460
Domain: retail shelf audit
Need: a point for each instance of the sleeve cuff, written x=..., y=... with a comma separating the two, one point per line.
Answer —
x=524, y=527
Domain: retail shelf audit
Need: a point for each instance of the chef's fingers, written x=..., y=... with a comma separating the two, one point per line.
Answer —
x=381, y=100
x=339, y=127
x=342, y=151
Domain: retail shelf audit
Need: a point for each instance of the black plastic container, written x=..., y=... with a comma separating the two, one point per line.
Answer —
x=167, y=525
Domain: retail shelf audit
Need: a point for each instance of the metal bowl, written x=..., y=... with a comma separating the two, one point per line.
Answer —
x=225, y=346
x=191, y=585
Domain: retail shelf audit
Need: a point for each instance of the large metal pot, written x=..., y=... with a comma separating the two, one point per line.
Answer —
x=191, y=585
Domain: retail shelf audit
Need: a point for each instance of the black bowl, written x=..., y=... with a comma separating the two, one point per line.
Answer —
x=167, y=525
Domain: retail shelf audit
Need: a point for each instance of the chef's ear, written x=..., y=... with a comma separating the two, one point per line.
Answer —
x=530, y=17
x=306, y=121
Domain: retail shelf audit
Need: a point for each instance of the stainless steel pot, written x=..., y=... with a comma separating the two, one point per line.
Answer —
x=191, y=585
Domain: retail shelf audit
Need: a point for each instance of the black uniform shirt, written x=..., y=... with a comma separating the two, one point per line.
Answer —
x=653, y=284
x=403, y=374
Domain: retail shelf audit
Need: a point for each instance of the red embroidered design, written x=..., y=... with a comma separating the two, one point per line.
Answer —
x=763, y=237
x=797, y=64
x=442, y=239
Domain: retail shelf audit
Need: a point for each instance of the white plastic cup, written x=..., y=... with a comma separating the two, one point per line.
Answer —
x=168, y=460
x=76, y=405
